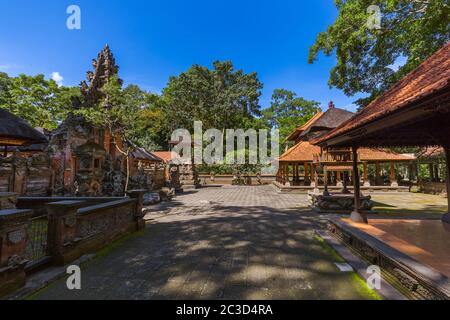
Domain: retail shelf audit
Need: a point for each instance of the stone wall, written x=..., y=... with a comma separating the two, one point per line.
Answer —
x=31, y=175
x=228, y=179
x=75, y=227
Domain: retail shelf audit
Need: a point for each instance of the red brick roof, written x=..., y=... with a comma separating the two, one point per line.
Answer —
x=431, y=76
x=166, y=156
x=372, y=154
x=304, y=152
x=431, y=152
x=301, y=152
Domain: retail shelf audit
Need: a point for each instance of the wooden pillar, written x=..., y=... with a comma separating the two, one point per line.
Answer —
x=316, y=177
x=446, y=217
x=366, y=174
x=431, y=170
x=357, y=215
x=392, y=173
x=306, y=169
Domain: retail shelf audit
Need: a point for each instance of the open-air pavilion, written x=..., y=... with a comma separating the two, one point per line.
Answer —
x=304, y=165
x=414, y=112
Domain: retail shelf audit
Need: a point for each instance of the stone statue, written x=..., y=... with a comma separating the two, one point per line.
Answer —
x=118, y=186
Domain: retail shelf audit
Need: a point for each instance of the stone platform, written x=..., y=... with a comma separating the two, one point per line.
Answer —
x=365, y=189
x=413, y=254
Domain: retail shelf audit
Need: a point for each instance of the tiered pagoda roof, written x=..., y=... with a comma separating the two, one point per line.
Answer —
x=320, y=124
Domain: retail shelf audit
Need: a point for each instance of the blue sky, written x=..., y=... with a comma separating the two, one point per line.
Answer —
x=155, y=39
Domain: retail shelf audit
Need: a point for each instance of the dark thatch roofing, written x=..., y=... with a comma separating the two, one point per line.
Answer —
x=329, y=120
x=14, y=128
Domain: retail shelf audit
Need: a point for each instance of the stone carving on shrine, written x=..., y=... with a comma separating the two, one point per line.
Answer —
x=84, y=158
x=26, y=173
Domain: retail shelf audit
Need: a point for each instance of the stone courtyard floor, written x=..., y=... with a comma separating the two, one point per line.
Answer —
x=222, y=243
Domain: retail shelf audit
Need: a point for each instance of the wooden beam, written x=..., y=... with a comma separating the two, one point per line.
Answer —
x=357, y=215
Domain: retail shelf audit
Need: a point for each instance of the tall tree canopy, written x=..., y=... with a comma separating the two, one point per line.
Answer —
x=221, y=97
x=287, y=112
x=409, y=29
x=41, y=102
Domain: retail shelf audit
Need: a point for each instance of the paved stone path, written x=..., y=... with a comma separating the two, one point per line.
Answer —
x=220, y=243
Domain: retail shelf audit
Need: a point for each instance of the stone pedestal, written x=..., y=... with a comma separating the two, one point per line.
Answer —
x=62, y=222
x=13, y=241
x=446, y=218
x=188, y=177
x=338, y=202
x=8, y=200
x=139, y=214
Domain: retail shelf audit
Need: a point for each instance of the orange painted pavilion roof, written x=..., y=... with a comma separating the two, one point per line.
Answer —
x=372, y=154
x=304, y=152
x=301, y=152
x=431, y=152
x=166, y=156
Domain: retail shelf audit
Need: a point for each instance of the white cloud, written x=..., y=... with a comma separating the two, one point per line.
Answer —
x=57, y=78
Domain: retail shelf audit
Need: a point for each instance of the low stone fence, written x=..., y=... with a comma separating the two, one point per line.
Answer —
x=75, y=227
x=207, y=179
x=433, y=187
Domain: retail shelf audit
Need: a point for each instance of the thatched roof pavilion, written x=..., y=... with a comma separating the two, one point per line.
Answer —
x=16, y=132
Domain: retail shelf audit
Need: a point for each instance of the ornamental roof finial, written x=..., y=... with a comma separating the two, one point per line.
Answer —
x=331, y=105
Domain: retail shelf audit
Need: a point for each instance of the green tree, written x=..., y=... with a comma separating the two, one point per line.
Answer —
x=287, y=112
x=409, y=29
x=221, y=97
x=41, y=102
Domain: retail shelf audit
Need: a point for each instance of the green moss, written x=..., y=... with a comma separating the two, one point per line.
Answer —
x=358, y=283
x=329, y=249
x=362, y=287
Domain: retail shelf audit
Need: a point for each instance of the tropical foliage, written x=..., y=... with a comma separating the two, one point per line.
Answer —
x=369, y=55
